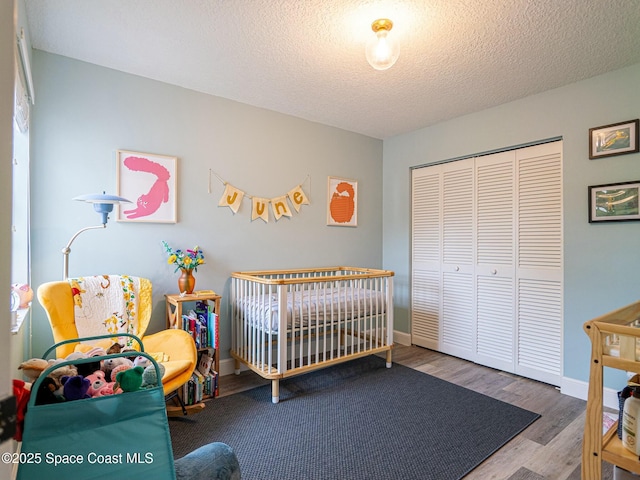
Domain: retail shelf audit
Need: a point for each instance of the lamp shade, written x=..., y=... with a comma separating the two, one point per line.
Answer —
x=102, y=203
x=382, y=49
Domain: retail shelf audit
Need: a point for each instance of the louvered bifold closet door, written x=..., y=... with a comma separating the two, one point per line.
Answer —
x=458, y=238
x=425, y=260
x=495, y=266
x=539, y=267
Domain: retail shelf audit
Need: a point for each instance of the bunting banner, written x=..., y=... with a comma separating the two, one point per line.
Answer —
x=280, y=206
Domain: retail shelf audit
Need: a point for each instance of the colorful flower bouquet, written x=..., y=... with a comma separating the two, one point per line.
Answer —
x=184, y=259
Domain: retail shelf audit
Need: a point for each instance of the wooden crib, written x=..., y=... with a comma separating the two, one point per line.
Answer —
x=289, y=322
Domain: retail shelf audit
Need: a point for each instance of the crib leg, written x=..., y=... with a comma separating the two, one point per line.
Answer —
x=236, y=365
x=388, y=358
x=275, y=390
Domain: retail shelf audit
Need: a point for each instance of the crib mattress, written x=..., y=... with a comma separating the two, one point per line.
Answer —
x=312, y=307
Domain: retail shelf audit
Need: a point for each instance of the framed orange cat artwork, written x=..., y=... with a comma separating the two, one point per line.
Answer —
x=342, y=202
x=149, y=181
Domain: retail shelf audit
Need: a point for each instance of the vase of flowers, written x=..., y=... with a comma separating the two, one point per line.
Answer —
x=186, y=281
x=187, y=261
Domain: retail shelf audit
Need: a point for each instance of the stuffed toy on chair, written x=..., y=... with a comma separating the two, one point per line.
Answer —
x=99, y=386
x=110, y=364
x=75, y=388
x=130, y=380
x=150, y=376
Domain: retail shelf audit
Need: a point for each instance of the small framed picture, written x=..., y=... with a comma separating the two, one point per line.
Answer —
x=342, y=202
x=614, y=202
x=149, y=181
x=615, y=139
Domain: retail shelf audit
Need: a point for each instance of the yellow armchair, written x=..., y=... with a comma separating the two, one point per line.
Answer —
x=176, y=346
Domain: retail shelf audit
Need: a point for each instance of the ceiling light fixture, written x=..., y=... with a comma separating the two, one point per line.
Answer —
x=382, y=50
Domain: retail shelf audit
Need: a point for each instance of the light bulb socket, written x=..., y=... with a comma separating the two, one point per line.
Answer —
x=382, y=24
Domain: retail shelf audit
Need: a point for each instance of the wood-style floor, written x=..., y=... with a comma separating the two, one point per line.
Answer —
x=548, y=449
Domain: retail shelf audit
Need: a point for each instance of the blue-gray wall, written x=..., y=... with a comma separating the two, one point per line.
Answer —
x=84, y=113
x=601, y=261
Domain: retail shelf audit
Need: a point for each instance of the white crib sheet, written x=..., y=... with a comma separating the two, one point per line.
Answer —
x=312, y=306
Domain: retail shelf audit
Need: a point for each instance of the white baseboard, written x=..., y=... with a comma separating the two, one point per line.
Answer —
x=580, y=389
x=401, y=338
x=227, y=367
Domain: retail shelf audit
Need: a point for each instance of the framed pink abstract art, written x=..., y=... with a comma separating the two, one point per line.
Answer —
x=149, y=181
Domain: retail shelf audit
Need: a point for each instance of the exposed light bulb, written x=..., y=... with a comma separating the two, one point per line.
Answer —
x=382, y=49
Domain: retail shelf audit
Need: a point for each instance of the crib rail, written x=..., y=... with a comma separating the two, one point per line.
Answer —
x=288, y=322
x=277, y=277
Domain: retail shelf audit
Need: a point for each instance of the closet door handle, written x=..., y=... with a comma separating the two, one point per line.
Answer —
x=456, y=268
x=494, y=271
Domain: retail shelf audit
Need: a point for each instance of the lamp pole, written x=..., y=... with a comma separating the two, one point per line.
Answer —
x=103, y=204
x=67, y=250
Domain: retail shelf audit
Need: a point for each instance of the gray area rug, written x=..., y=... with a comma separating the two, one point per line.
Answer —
x=357, y=420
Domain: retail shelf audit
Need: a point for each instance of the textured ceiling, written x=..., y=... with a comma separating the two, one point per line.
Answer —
x=306, y=57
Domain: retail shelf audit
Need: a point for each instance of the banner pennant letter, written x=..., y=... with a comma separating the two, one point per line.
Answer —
x=280, y=207
x=260, y=209
x=232, y=198
x=298, y=198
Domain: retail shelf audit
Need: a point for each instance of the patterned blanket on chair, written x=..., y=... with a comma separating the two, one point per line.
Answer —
x=106, y=304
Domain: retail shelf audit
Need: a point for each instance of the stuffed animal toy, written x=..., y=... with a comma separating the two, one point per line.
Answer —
x=48, y=392
x=99, y=386
x=59, y=372
x=110, y=363
x=118, y=369
x=86, y=369
x=150, y=377
x=33, y=367
x=141, y=361
x=75, y=388
x=115, y=348
x=130, y=380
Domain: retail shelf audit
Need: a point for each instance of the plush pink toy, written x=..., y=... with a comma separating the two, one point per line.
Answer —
x=99, y=385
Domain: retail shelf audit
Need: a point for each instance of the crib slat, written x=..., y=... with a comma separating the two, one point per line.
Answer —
x=281, y=344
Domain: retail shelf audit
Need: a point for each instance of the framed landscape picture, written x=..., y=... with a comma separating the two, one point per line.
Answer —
x=149, y=181
x=614, y=202
x=614, y=139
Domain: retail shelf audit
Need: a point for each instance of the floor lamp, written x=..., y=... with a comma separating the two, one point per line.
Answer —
x=103, y=204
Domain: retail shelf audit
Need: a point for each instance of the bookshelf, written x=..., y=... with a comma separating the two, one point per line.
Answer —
x=198, y=314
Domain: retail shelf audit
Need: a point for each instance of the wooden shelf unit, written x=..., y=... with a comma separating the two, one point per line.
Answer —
x=614, y=342
x=174, y=304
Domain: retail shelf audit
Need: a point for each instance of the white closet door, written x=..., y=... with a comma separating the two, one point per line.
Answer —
x=458, y=239
x=495, y=253
x=426, y=253
x=539, y=262
x=487, y=260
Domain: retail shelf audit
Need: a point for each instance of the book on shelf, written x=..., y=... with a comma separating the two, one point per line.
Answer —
x=202, y=324
x=201, y=385
x=204, y=363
